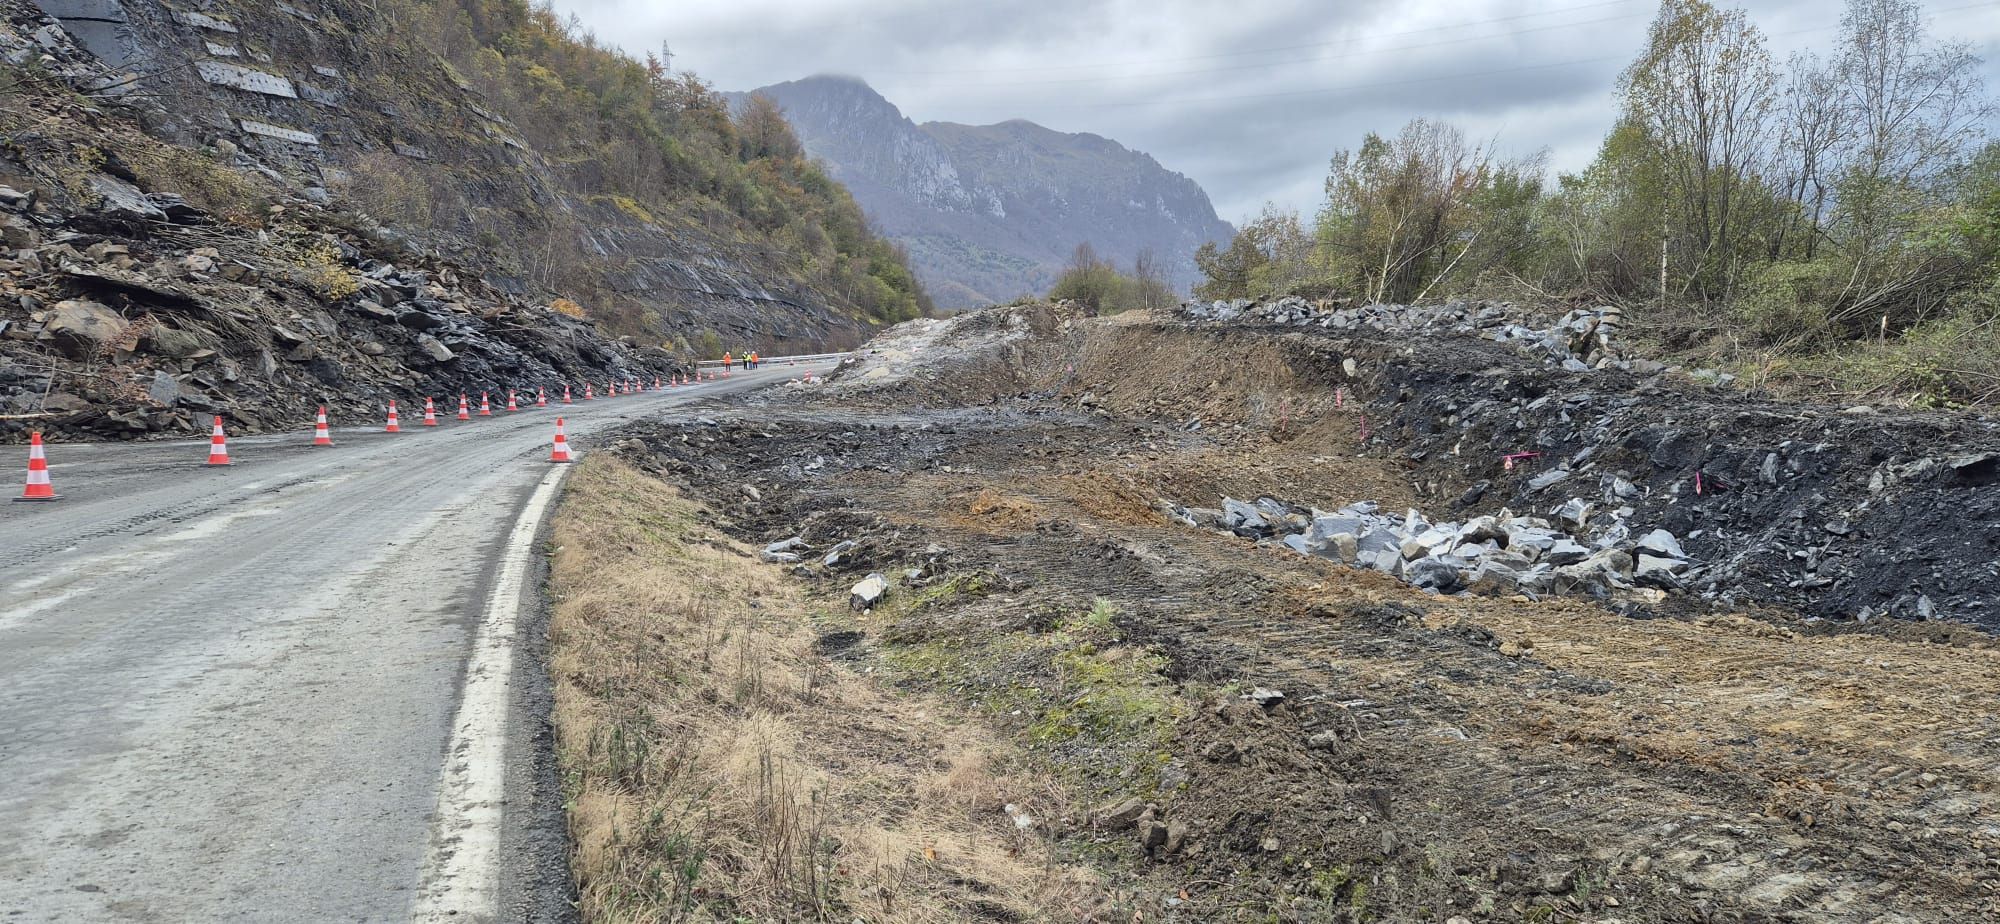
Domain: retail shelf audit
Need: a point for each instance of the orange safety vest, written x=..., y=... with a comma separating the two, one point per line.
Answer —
x=725, y=359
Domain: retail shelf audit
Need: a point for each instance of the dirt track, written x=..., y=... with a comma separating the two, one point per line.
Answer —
x=1431, y=757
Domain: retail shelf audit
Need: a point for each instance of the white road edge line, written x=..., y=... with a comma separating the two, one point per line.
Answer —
x=461, y=873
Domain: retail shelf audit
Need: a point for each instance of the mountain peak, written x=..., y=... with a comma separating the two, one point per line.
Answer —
x=992, y=212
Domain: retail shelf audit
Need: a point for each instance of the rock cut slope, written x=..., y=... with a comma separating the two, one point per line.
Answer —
x=260, y=208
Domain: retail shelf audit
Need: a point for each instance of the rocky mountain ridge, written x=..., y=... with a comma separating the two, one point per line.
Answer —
x=991, y=212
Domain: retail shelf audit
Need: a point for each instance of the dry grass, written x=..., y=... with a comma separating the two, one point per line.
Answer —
x=718, y=768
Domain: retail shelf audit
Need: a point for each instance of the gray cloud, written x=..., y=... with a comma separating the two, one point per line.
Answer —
x=1248, y=98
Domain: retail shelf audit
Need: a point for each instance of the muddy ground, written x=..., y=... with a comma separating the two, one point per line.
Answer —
x=1268, y=736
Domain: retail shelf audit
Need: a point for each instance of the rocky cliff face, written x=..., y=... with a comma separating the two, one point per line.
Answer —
x=336, y=101
x=177, y=242
x=991, y=212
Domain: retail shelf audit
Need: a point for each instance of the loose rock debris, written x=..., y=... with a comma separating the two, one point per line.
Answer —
x=1270, y=735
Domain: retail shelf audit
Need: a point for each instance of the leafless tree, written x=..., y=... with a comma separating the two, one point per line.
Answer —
x=1914, y=107
x=1813, y=119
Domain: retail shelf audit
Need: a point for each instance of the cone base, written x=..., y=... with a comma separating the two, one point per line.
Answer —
x=35, y=500
x=326, y=445
x=551, y=462
x=223, y=462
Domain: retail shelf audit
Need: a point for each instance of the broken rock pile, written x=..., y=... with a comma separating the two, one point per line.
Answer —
x=1578, y=341
x=1497, y=555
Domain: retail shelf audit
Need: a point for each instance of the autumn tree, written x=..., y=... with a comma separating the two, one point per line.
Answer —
x=1703, y=90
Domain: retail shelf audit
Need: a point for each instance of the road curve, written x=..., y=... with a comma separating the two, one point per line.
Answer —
x=230, y=694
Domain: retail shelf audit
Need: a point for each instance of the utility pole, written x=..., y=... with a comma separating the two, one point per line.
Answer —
x=667, y=57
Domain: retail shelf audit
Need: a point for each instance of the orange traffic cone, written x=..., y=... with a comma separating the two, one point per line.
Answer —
x=321, y=436
x=656, y=382
x=392, y=426
x=464, y=413
x=561, y=451
x=38, y=487
x=541, y=397
x=430, y=413
x=588, y=393
x=485, y=406
x=611, y=388
x=218, y=445
x=566, y=394
x=510, y=401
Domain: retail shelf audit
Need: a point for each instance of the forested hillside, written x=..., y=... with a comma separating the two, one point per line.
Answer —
x=659, y=147
x=1831, y=221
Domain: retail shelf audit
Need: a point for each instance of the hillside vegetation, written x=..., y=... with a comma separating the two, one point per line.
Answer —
x=659, y=147
x=1831, y=223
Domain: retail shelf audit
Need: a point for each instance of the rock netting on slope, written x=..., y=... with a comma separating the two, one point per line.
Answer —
x=1582, y=551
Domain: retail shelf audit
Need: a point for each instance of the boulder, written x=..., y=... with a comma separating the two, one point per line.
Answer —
x=1547, y=478
x=1244, y=519
x=780, y=552
x=1492, y=579
x=1574, y=514
x=870, y=591
x=420, y=320
x=1325, y=527
x=1118, y=816
x=170, y=342
x=1531, y=541
x=1482, y=529
x=1341, y=547
x=120, y=199
x=1660, y=544
x=435, y=348
x=1379, y=539
x=164, y=390
x=1653, y=571
x=1439, y=574
x=374, y=309
x=81, y=328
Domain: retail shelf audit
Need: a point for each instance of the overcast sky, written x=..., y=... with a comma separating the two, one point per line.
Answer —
x=1248, y=97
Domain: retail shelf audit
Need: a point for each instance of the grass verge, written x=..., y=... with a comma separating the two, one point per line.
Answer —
x=718, y=766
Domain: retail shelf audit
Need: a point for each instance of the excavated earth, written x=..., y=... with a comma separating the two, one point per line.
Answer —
x=1245, y=733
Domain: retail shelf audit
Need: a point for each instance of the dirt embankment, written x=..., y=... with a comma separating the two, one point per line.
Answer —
x=1848, y=514
x=1261, y=735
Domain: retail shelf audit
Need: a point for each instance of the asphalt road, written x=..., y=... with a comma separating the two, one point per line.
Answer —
x=267, y=692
